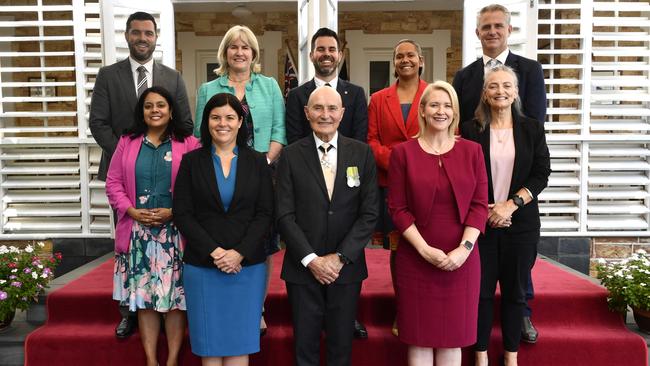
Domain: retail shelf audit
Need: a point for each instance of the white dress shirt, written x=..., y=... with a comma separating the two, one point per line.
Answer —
x=332, y=160
x=333, y=83
x=134, y=71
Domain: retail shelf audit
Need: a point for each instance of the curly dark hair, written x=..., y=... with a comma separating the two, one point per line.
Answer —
x=220, y=100
x=175, y=128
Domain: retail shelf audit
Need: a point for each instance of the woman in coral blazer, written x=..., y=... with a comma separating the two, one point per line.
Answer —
x=393, y=119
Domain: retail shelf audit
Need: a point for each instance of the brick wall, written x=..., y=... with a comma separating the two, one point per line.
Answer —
x=423, y=22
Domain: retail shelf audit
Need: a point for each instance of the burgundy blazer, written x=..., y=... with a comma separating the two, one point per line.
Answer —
x=465, y=167
x=386, y=126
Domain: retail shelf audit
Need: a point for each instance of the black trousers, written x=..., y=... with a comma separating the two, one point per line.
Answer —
x=330, y=307
x=507, y=259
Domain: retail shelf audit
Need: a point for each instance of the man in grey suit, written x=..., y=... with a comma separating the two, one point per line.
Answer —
x=115, y=95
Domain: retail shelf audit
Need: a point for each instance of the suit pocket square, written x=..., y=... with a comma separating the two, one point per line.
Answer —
x=352, y=174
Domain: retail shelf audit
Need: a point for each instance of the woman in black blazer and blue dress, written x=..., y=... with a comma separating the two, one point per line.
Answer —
x=518, y=166
x=223, y=205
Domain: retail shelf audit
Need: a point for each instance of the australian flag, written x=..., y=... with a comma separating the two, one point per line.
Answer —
x=290, y=76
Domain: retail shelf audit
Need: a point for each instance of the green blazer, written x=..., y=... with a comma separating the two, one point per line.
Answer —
x=264, y=100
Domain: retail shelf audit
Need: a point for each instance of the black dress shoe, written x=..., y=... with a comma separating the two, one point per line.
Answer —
x=126, y=327
x=360, y=331
x=528, y=332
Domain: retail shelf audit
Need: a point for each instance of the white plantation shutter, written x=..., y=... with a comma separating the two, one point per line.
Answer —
x=48, y=158
x=596, y=60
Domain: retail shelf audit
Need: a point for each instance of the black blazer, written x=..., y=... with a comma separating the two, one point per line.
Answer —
x=310, y=223
x=199, y=213
x=355, y=119
x=114, y=100
x=531, y=167
x=468, y=83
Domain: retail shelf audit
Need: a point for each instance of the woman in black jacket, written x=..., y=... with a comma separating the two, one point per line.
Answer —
x=223, y=206
x=518, y=166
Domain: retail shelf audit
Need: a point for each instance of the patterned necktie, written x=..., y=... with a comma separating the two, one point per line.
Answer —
x=142, y=80
x=328, y=172
x=493, y=63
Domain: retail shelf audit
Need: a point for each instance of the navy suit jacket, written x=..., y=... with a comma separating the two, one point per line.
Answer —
x=468, y=83
x=355, y=119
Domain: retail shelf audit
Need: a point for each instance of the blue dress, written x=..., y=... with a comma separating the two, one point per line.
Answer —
x=224, y=310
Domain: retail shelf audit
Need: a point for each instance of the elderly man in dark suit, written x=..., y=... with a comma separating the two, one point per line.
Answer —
x=326, y=212
x=326, y=55
x=493, y=29
x=116, y=93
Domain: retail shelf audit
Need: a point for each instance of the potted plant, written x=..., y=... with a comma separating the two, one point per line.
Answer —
x=24, y=273
x=628, y=283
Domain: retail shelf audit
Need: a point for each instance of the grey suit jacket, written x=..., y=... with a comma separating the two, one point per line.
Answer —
x=114, y=99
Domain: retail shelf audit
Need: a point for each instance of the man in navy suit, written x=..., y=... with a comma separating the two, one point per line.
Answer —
x=115, y=95
x=326, y=55
x=493, y=29
x=327, y=208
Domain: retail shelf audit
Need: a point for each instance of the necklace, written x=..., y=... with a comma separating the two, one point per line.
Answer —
x=438, y=152
x=502, y=134
x=239, y=81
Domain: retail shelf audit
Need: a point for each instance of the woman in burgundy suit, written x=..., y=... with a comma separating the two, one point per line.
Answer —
x=392, y=119
x=438, y=202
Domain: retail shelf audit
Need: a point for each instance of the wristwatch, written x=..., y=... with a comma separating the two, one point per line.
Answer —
x=343, y=258
x=468, y=245
x=519, y=202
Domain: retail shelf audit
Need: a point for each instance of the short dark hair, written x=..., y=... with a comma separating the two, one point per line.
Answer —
x=325, y=32
x=141, y=15
x=220, y=100
x=175, y=129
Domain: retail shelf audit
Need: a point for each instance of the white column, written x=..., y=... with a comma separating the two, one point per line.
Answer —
x=312, y=15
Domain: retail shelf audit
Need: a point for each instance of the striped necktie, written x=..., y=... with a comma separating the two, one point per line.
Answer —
x=142, y=80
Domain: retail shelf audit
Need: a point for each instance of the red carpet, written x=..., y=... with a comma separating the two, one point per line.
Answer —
x=570, y=312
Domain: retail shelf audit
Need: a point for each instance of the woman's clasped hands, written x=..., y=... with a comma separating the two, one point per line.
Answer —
x=150, y=216
x=500, y=214
x=445, y=261
x=228, y=261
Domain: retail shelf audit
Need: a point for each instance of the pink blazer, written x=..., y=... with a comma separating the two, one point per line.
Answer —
x=120, y=181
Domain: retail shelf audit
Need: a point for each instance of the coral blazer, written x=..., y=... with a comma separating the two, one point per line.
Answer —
x=386, y=126
x=120, y=181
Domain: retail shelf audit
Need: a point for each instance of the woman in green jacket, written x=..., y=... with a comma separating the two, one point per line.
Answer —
x=239, y=74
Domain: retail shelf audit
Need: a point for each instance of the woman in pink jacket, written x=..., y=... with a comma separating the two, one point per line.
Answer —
x=148, y=246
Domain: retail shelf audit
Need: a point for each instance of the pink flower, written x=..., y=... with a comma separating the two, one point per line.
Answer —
x=3, y=295
x=16, y=284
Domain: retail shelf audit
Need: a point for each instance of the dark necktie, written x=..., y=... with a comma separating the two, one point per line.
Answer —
x=142, y=80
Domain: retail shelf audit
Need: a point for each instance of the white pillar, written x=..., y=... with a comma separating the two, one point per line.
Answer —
x=312, y=15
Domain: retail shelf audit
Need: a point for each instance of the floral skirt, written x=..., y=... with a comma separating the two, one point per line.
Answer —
x=150, y=275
